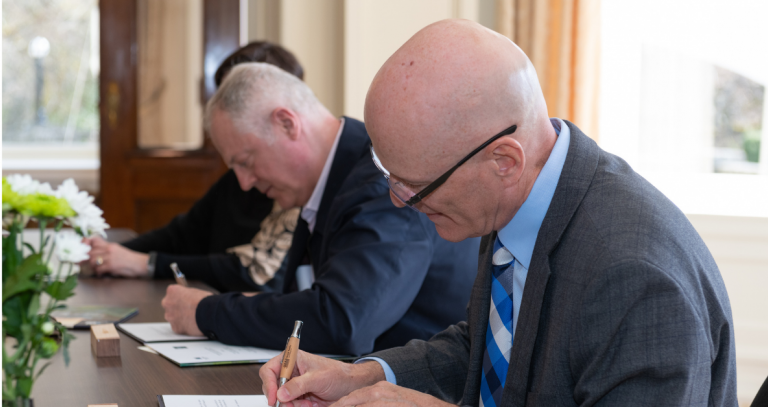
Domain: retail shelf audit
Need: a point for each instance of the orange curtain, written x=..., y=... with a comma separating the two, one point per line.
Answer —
x=562, y=39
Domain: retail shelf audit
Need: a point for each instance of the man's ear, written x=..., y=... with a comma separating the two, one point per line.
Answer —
x=509, y=159
x=286, y=122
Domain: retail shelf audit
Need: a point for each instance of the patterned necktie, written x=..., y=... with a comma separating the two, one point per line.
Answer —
x=498, y=336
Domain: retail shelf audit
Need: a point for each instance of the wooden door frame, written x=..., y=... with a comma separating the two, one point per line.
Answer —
x=132, y=179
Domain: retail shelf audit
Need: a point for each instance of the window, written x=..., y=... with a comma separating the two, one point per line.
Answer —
x=50, y=90
x=683, y=99
x=50, y=72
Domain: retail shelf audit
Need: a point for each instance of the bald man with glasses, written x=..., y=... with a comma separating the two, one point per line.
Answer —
x=593, y=289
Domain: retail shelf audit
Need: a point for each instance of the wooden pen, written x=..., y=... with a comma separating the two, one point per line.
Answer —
x=289, y=356
x=178, y=275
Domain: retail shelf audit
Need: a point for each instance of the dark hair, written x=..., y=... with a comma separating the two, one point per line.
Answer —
x=260, y=51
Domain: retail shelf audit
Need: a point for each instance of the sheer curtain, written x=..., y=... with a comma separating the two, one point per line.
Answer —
x=562, y=39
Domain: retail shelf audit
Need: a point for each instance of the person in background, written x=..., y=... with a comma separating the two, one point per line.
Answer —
x=233, y=238
x=593, y=289
x=362, y=274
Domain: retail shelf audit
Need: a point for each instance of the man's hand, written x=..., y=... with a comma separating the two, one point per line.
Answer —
x=385, y=393
x=317, y=381
x=115, y=259
x=180, y=304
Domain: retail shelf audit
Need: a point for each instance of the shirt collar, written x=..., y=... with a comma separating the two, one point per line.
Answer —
x=519, y=235
x=309, y=211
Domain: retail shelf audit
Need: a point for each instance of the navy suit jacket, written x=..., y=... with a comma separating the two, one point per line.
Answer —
x=383, y=276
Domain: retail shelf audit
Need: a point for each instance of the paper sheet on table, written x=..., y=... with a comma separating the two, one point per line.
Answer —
x=211, y=353
x=155, y=332
x=212, y=401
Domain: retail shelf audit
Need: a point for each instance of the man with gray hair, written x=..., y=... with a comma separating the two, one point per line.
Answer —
x=593, y=289
x=362, y=274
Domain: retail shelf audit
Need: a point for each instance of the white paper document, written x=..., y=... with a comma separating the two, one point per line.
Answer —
x=211, y=353
x=155, y=332
x=212, y=401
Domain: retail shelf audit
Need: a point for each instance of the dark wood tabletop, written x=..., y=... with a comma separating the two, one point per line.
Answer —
x=136, y=377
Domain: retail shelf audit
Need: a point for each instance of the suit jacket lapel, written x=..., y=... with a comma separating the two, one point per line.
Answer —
x=353, y=144
x=478, y=320
x=578, y=172
x=296, y=253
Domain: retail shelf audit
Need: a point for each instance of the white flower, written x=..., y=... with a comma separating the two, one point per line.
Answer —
x=45, y=189
x=23, y=184
x=88, y=216
x=90, y=221
x=77, y=200
x=70, y=248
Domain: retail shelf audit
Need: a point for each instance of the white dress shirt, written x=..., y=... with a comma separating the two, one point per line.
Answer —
x=309, y=211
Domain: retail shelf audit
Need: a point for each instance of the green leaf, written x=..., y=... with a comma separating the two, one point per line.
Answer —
x=11, y=253
x=63, y=290
x=9, y=393
x=66, y=338
x=24, y=277
x=24, y=386
x=26, y=331
x=29, y=246
x=12, y=317
x=34, y=306
x=42, y=369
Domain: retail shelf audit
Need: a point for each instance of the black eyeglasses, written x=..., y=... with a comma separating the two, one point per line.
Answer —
x=410, y=198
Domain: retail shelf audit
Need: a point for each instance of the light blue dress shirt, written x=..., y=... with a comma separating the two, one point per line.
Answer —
x=519, y=235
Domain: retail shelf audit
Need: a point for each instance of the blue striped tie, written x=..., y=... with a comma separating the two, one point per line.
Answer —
x=498, y=336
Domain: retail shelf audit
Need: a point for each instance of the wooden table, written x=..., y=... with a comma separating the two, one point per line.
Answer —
x=136, y=377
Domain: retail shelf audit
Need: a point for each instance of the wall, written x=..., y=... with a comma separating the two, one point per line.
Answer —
x=342, y=43
x=740, y=248
x=374, y=30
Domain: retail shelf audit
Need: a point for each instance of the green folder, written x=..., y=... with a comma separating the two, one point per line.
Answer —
x=83, y=316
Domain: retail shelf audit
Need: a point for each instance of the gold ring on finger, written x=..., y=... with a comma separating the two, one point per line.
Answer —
x=99, y=261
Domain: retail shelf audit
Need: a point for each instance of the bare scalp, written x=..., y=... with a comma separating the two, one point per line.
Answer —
x=448, y=89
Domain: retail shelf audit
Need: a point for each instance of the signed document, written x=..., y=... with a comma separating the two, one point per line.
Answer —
x=212, y=401
x=155, y=332
x=211, y=353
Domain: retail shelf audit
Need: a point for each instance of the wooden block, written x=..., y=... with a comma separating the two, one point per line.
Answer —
x=105, y=341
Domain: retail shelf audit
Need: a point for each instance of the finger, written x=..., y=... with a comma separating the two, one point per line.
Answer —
x=303, y=403
x=268, y=374
x=98, y=243
x=103, y=268
x=297, y=387
x=365, y=395
x=165, y=302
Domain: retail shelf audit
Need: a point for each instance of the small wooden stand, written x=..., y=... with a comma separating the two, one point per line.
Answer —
x=105, y=341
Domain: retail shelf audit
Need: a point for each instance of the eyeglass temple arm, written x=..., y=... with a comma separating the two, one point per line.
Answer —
x=440, y=181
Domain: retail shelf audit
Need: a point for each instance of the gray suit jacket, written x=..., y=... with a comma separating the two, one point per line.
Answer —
x=623, y=305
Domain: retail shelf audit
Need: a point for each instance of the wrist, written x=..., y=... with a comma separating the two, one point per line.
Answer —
x=367, y=373
x=141, y=267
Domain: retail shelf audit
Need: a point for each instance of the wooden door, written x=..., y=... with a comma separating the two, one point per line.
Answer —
x=143, y=189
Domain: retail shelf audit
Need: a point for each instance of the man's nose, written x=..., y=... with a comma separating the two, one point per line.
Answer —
x=396, y=200
x=246, y=179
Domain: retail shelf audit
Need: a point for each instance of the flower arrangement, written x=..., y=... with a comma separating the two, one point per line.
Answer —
x=27, y=274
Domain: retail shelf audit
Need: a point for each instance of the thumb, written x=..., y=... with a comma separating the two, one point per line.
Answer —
x=296, y=387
